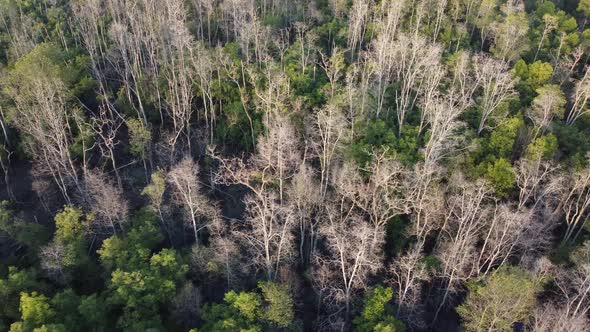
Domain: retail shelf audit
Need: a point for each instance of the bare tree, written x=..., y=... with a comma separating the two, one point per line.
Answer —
x=54, y=262
x=456, y=247
x=177, y=67
x=206, y=64
x=408, y=273
x=413, y=56
x=225, y=252
x=578, y=301
x=549, y=103
x=580, y=99
x=509, y=232
x=304, y=199
x=442, y=116
x=381, y=197
x=106, y=200
x=551, y=317
x=267, y=230
x=357, y=24
x=268, y=233
x=204, y=10
x=106, y=126
x=186, y=189
x=532, y=178
x=497, y=87
x=41, y=107
x=278, y=155
x=425, y=197
x=571, y=199
x=568, y=312
x=327, y=133
x=389, y=22
x=350, y=260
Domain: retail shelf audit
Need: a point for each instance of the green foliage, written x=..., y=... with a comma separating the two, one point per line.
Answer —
x=539, y=73
x=491, y=160
x=155, y=189
x=514, y=25
x=71, y=225
x=251, y=311
x=31, y=235
x=278, y=304
x=505, y=297
x=377, y=314
x=501, y=141
x=238, y=313
x=141, y=281
x=379, y=136
x=501, y=176
x=542, y=147
x=93, y=311
x=35, y=310
x=16, y=281
x=139, y=137
x=584, y=7
x=573, y=144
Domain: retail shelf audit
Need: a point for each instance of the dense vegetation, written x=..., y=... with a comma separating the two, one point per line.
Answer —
x=280, y=165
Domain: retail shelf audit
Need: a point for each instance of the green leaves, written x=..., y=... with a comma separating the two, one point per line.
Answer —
x=278, y=302
x=377, y=314
x=505, y=297
x=251, y=311
x=141, y=281
x=501, y=176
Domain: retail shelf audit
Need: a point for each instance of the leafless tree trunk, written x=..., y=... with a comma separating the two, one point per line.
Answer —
x=456, y=246
x=408, y=272
x=496, y=84
x=350, y=259
x=580, y=99
x=326, y=134
x=106, y=201
x=183, y=178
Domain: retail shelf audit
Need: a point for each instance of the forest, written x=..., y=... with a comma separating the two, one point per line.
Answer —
x=294, y=165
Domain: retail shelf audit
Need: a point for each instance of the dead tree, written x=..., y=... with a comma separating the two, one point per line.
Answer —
x=268, y=233
x=412, y=56
x=186, y=188
x=41, y=115
x=579, y=99
x=549, y=103
x=304, y=197
x=570, y=197
x=278, y=155
x=389, y=22
x=425, y=197
x=497, y=86
x=349, y=261
x=107, y=201
x=510, y=232
x=442, y=117
x=106, y=126
x=326, y=133
x=408, y=273
x=357, y=23
x=532, y=178
x=456, y=247
x=381, y=197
